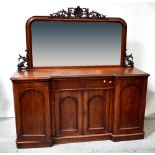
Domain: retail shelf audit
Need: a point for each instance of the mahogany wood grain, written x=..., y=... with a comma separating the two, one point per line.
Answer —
x=68, y=113
x=96, y=111
x=33, y=116
x=129, y=105
x=46, y=74
x=82, y=83
x=80, y=104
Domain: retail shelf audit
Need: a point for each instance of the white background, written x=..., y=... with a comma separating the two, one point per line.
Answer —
x=140, y=18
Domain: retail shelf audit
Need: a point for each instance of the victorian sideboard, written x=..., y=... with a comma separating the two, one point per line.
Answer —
x=78, y=103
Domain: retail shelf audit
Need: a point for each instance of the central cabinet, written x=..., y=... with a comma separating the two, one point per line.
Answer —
x=82, y=106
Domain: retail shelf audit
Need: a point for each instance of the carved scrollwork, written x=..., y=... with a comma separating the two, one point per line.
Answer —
x=128, y=60
x=59, y=14
x=23, y=62
x=77, y=13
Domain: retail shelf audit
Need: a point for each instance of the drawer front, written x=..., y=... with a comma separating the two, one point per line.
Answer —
x=84, y=83
x=99, y=83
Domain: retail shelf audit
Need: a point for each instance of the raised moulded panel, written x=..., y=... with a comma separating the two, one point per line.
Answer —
x=96, y=111
x=32, y=112
x=130, y=100
x=68, y=113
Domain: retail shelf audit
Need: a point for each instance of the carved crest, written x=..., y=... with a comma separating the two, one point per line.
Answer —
x=128, y=60
x=77, y=13
x=23, y=62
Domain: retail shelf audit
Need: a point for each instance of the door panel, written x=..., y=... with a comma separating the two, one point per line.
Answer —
x=130, y=98
x=96, y=111
x=68, y=113
x=130, y=101
x=32, y=106
x=33, y=112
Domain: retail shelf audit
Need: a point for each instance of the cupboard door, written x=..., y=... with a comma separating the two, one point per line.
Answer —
x=68, y=113
x=32, y=109
x=96, y=111
x=129, y=106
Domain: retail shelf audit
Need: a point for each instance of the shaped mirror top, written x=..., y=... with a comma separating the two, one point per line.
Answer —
x=75, y=37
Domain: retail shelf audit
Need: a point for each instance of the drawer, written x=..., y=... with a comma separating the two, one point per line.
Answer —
x=98, y=83
x=82, y=83
x=66, y=84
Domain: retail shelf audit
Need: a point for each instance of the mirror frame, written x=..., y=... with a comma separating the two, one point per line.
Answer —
x=61, y=17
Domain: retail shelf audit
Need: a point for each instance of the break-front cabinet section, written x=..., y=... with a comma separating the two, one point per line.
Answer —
x=82, y=106
x=130, y=105
x=76, y=82
x=33, y=113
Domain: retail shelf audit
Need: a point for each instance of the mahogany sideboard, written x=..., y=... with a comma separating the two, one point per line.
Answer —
x=80, y=104
x=95, y=94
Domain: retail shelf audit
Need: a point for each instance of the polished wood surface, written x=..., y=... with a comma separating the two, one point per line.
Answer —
x=130, y=97
x=33, y=114
x=96, y=109
x=79, y=104
x=68, y=113
x=45, y=74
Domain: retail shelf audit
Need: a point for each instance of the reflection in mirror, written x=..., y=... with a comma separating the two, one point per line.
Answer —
x=58, y=43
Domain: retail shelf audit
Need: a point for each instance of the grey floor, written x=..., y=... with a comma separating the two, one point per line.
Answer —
x=8, y=136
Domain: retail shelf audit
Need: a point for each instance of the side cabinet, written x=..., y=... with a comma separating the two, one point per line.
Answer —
x=32, y=107
x=129, y=108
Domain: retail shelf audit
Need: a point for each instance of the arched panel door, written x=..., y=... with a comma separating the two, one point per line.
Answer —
x=68, y=113
x=96, y=111
x=33, y=116
x=130, y=100
x=129, y=106
x=33, y=112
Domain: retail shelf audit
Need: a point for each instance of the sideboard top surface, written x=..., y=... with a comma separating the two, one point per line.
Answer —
x=45, y=74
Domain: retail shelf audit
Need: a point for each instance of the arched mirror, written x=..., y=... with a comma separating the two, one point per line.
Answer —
x=75, y=37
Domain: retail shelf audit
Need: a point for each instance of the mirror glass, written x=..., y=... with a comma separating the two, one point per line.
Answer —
x=56, y=43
